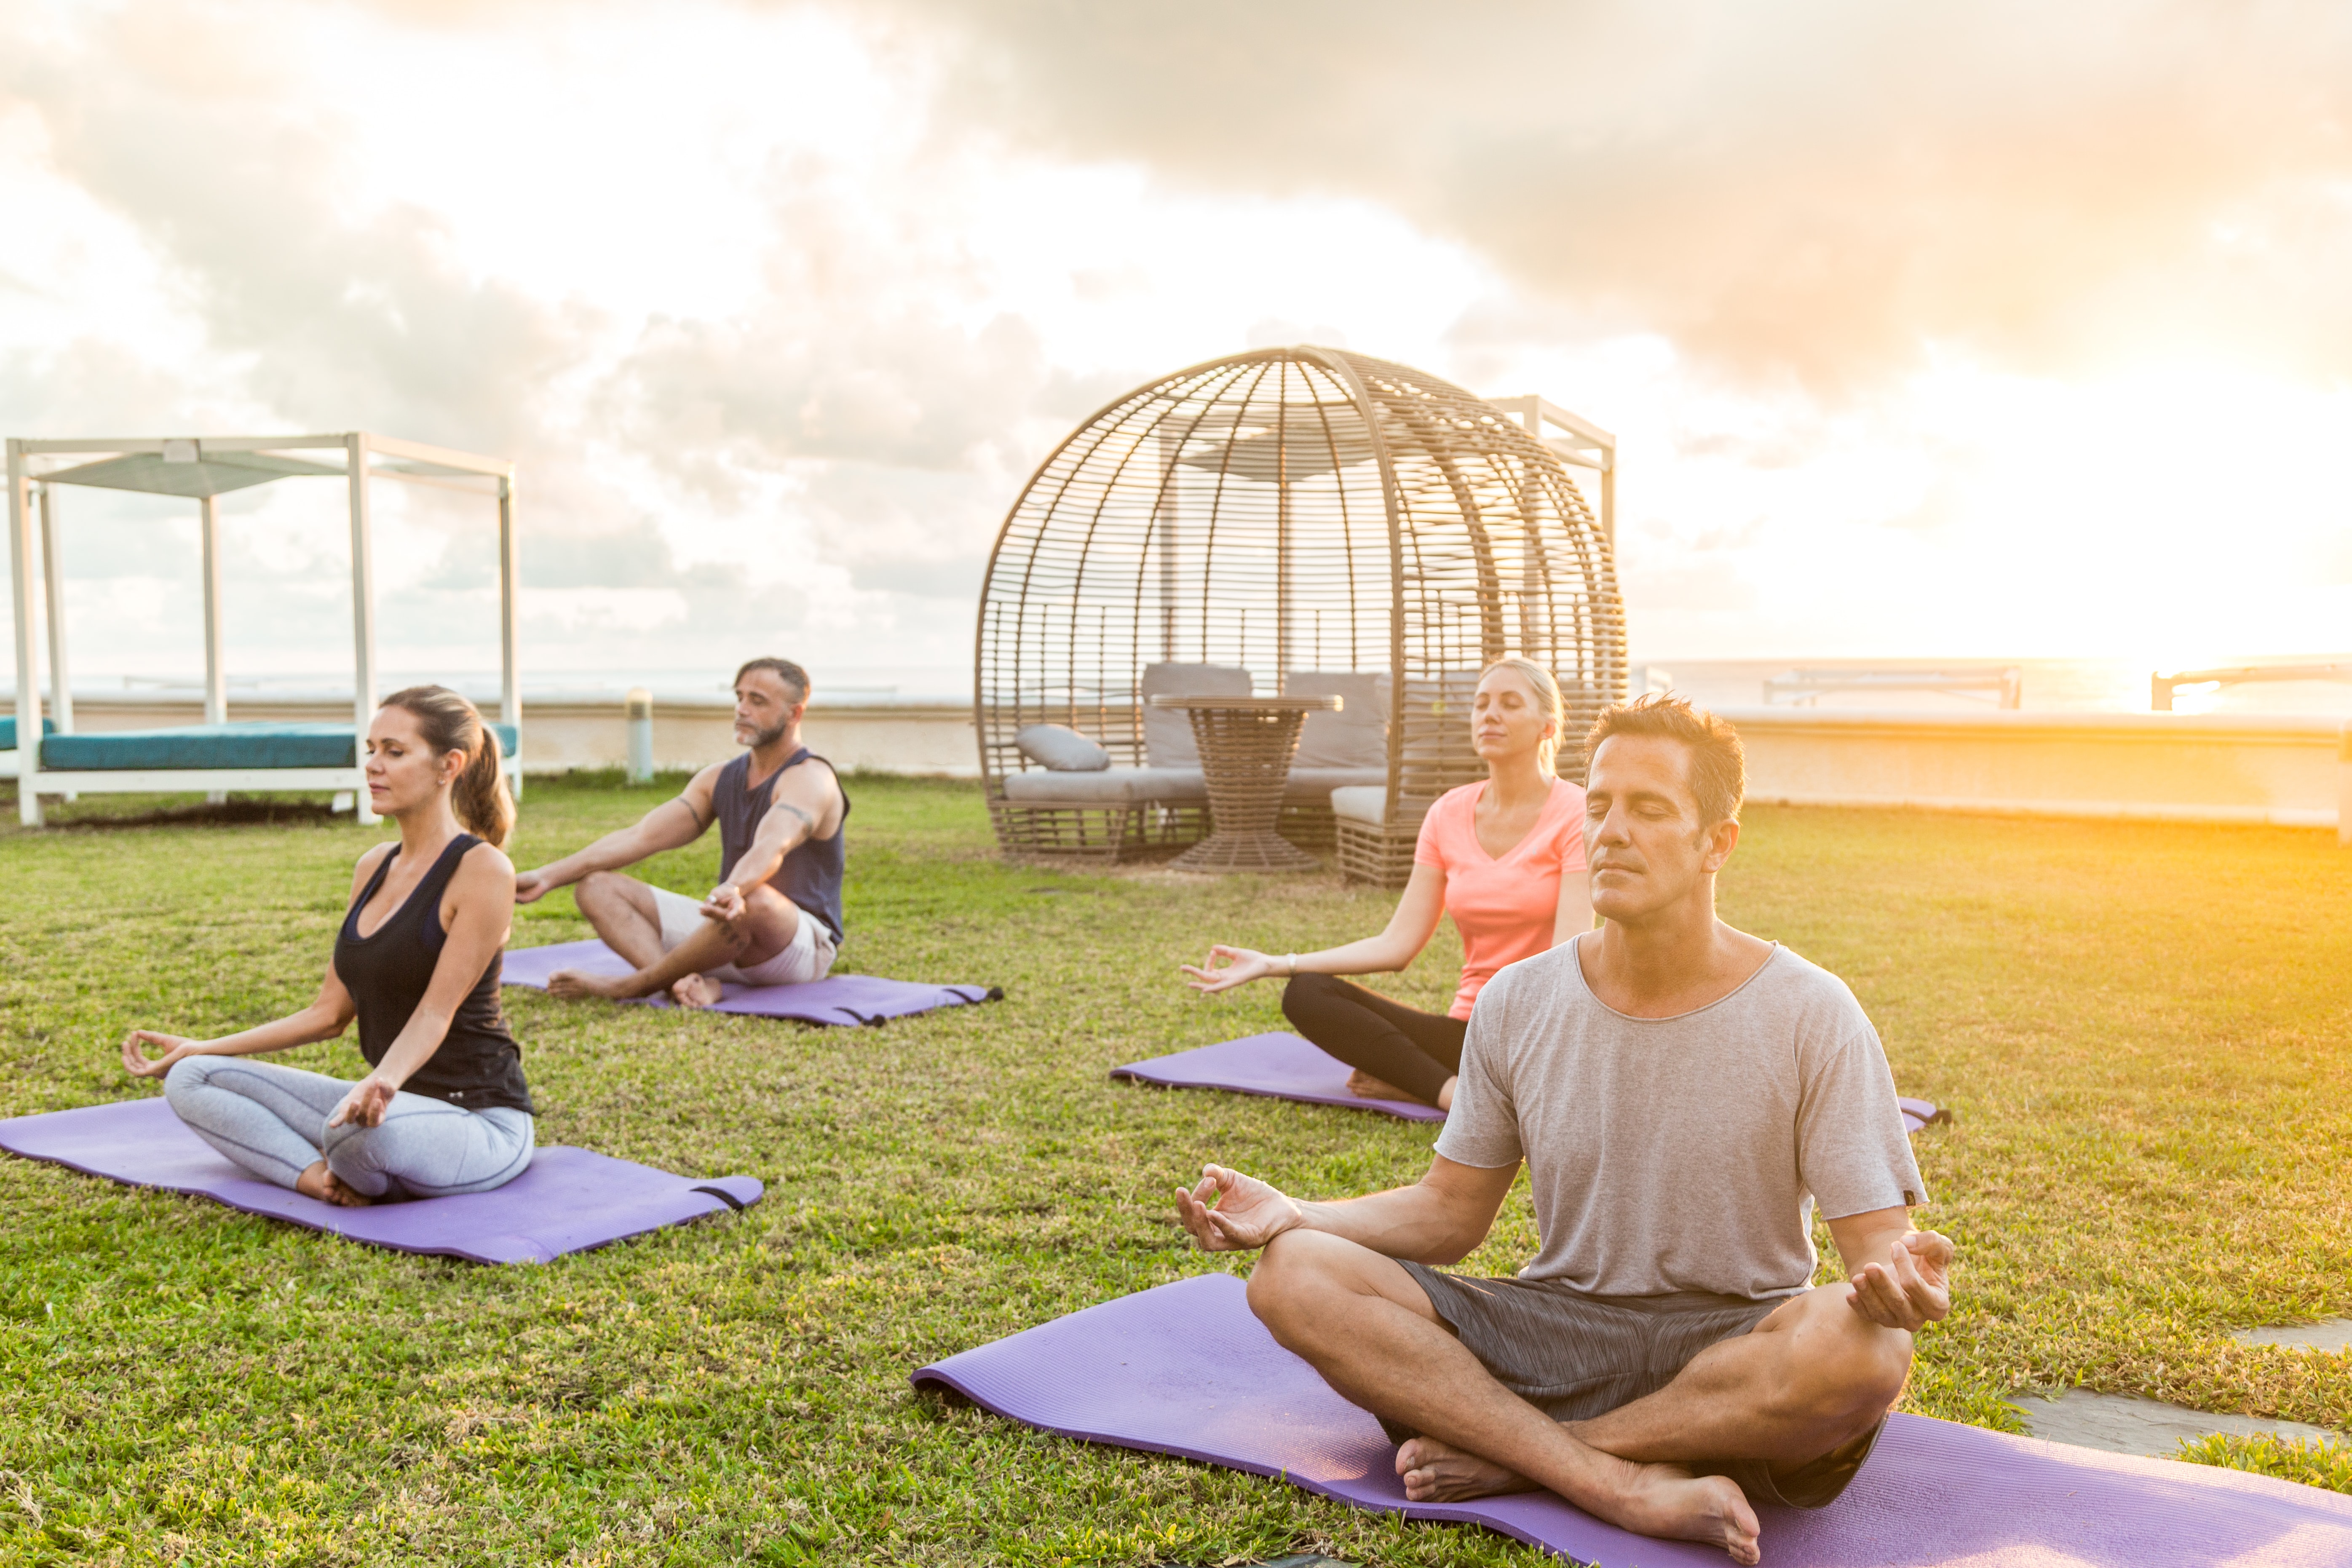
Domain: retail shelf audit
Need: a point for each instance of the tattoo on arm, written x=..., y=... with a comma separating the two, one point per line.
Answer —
x=796, y=811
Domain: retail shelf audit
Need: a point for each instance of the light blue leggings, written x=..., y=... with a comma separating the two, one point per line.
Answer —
x=272, y=1120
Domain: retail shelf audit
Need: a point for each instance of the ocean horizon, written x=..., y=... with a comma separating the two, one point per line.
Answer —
x=2045, y=685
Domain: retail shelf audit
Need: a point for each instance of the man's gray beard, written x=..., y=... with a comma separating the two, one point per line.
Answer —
x=770, y=737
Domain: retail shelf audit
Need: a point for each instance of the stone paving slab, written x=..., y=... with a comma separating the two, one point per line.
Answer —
x=2328, y=1337
x=2127, y=1423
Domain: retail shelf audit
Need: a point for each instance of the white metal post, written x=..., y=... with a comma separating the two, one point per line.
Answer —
x=215, y=670
x=356, y=449
x=2344, y=788
x=53, y=578
x=216, y=667
x=28, y=675
x=510, y=559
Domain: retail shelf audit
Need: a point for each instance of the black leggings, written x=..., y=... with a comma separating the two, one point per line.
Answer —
x=1415, y=1051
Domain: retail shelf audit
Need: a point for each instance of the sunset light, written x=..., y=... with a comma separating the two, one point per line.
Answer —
x=1283, y=784
x=1904, y=366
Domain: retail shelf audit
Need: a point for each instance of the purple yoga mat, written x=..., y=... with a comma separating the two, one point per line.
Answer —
x=1281, y=1066
x=1918, y=1114
x=1286, y=1066
x=570, y=1200
x=1186, y=1370
x=836, y=999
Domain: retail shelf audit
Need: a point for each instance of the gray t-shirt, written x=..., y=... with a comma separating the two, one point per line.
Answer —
x=1682, y=1153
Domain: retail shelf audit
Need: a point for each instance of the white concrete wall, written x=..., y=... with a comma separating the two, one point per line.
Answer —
x=562, y=730
x=890, y=736
x=2176, y=766
x=2173, y=767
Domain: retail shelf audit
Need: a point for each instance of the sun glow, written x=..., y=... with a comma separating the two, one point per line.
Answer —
x=771, y=312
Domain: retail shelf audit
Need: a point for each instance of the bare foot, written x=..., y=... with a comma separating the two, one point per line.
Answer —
x=1366, y=1085
x=319, y=1182
x=572, y=984
x=1668, y=1500
x=1439, y=1472
x=698, y=991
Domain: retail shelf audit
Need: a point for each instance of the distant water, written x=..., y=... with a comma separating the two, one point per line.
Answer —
x=2064, y=685
x=2049, y=685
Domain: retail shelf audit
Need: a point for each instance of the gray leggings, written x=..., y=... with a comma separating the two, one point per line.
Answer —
x=272, y=1120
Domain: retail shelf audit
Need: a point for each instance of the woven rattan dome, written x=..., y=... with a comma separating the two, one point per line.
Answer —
x=1295, y=509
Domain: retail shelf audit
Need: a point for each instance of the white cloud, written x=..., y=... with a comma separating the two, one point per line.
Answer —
x=1920, y=340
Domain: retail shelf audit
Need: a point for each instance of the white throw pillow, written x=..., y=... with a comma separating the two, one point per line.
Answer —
x=1061, y=749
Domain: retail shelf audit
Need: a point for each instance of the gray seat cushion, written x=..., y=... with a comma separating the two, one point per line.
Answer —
x=1355, y=737
x=1110, y=786
x=1313, y=786
x=1168, y=731
x=1169, y=786
x=1061, y=749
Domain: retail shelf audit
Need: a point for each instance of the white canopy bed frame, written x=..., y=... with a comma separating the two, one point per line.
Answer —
x=202, y=470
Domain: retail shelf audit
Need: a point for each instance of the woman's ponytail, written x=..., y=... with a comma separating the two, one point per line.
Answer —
x=480, y=797
x=451, y=723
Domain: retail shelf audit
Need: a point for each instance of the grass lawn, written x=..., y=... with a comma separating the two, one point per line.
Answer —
x=2141, y=1028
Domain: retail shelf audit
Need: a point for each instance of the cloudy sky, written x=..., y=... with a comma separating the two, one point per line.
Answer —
x=1928, y=331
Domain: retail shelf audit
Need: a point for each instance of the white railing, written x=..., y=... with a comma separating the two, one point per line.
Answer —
x=2160, y=688
x=2250, y=768
x=2001, y=685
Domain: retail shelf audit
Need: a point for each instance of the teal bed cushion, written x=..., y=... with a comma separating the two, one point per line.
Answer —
x=8, y=732
x=255, y=745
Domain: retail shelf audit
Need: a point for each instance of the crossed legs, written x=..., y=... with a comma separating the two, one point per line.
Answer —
x=271, y=1119
x=623, y=912
x=1811, y=1377
x=1398, y=1052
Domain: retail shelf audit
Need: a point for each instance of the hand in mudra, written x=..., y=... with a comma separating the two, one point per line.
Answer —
x=725, y=903
x=1912, y=1287
x=1243, y=964
x=531, y=887
x=365, y=1104
x=134, y=1054
x=1246, y=1213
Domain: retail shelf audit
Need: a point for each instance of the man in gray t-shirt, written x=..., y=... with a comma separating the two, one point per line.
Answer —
x=1684, y=1096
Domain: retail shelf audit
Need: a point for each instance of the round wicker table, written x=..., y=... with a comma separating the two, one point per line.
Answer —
x=1246, y=744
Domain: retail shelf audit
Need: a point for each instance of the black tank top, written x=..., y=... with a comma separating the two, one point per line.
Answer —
x=478, y=1064
x=810, y=875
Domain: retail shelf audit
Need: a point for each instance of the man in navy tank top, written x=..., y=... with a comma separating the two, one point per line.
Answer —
x=775, y=919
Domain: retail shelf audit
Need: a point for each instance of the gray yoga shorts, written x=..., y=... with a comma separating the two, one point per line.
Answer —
x=1574, y=1356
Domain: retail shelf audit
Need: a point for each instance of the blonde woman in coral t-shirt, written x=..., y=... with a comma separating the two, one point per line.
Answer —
x=1505, y=858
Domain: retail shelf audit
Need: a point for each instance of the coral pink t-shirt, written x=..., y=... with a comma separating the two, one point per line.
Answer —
x=1505, y=909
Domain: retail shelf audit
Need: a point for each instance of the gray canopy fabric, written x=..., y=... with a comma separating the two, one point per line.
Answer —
x=196, y=477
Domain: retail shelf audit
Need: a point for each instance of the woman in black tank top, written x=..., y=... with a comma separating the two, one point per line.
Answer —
x=444, y=1108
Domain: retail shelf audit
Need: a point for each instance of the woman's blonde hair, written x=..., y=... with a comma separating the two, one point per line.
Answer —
x=1547, y=691
x=450, y=723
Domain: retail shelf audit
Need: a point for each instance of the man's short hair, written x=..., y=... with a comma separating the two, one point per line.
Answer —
x=784, y=669
x=1718, y=763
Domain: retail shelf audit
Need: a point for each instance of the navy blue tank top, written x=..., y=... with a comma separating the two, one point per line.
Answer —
x=810, y=875
x=478, y=1065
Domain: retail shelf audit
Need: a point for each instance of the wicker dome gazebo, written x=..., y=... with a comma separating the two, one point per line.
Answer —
x=1287, y=522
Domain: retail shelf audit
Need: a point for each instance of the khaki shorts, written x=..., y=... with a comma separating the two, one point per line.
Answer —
x=808, y=956
x=1574, y=1356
